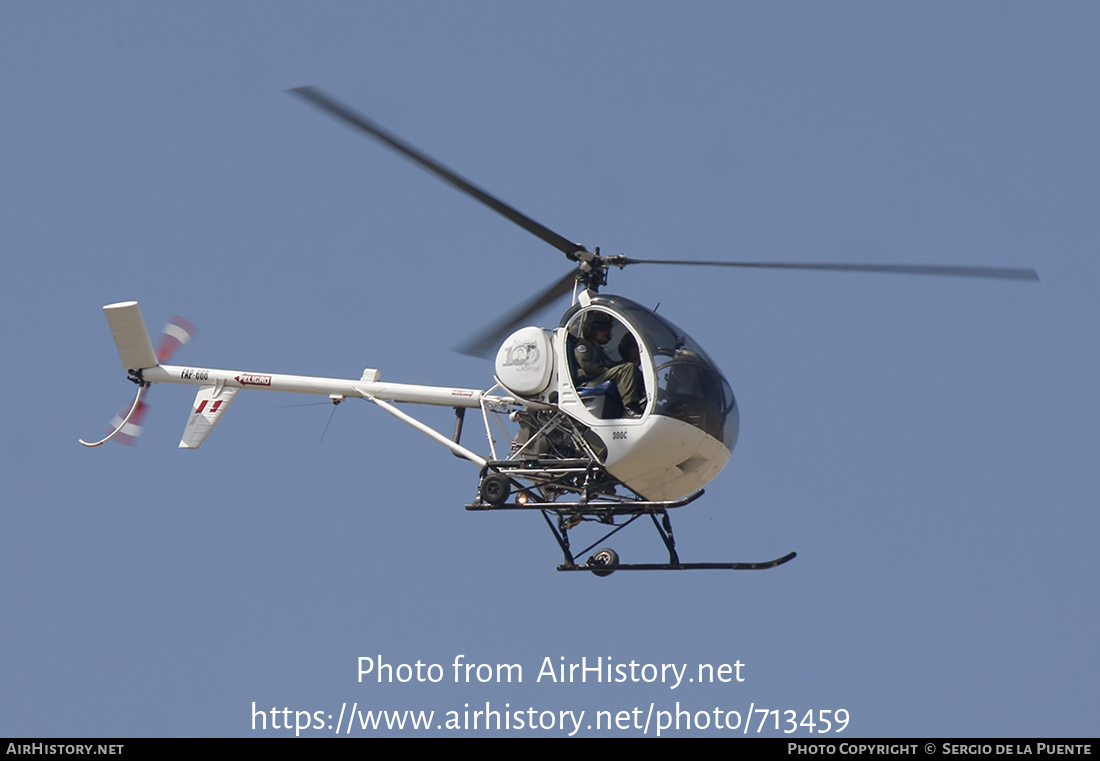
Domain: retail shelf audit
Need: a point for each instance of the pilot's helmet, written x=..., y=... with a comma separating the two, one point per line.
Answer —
x=597, y=321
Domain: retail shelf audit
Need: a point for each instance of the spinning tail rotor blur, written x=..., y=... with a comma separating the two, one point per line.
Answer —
x=126, y=426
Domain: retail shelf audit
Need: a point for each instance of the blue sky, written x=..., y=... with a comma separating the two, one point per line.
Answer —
x=926, y=445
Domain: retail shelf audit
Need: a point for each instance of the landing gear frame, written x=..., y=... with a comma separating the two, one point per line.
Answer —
x=537, y=485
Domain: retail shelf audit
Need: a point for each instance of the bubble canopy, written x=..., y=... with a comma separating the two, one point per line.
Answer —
x=690, y=387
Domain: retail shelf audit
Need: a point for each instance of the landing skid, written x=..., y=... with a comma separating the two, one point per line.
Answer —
x=606, y=569
x=582, y=478
x=606, y=561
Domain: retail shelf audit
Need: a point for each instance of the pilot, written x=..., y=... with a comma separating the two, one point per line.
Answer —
x=628, y=349
x=594, y=366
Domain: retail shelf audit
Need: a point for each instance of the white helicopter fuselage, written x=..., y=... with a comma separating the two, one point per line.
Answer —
x=661, y=458
x=662, y=453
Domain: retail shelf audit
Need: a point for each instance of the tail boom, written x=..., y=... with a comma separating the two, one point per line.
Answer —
x=366, y=387
x=218, y=388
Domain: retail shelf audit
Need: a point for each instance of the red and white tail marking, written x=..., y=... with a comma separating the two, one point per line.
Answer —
x=213, y=407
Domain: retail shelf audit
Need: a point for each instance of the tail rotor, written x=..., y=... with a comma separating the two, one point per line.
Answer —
x=177, y=333
x=126, y=426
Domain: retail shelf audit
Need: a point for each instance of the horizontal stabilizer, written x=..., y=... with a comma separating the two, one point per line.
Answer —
x=131, y=337
x=210, y=404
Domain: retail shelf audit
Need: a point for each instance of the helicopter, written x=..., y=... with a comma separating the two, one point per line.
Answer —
x=573, y=432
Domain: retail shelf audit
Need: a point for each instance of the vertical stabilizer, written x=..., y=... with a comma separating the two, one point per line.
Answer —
x=132, y=339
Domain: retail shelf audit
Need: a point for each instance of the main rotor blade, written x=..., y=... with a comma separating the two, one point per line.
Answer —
x=488, y=340
x=326, y=102
x=996, y=273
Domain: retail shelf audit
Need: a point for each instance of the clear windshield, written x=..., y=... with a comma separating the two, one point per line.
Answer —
x=690, y=387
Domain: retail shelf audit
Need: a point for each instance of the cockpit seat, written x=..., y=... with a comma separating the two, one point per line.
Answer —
x=587, y=392
x=602, y=400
